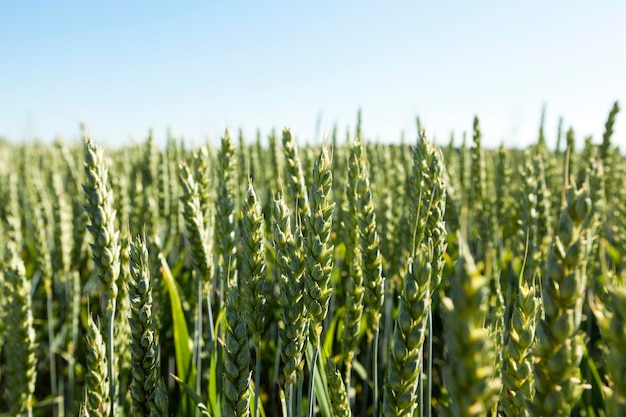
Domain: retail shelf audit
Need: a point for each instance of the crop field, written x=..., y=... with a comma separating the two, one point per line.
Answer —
x=261, y=278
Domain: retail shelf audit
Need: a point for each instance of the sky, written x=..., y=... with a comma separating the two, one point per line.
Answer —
x=197, y=68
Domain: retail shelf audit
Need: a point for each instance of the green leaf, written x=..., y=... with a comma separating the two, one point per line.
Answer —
x=182, y=341
x=319, y=380
x=194, y=396
x=251, y=395
x=359, y=369
x=329, y=338
x=588, y=370
x=614, y=253
x=214, y=404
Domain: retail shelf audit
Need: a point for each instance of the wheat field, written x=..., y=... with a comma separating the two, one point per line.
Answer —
x=262, y=278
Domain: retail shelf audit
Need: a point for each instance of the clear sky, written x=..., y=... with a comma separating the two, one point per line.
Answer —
x=199, y=67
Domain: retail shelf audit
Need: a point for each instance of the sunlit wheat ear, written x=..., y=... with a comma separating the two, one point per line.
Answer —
x=80, y=220
x=369, y=243
x=244, y=165
x=293, y=331
x=20, y=372
x=612, y=164
x=560, y=345
x=606, y=145
x=253, y=284
x=528, y=220
x=159, y=404
x=477, y=185
x=62, y=236
x=168, y=194
x=337, y=390
x=163, y=196
x=611, y=316
x=97, y=375
x=544, y=208
x=505, y=203
x=276, y=161
x=471, y=355
x=225, y=239
x=390, y=219
x=354, y=281
x=74, y=180
x=43, y=259
x=317, y=248
x=517, y=377
x=194, y=223
x=146, y=376
x=428, y=204
x=149, y=196
x=405, y=352
x=236, y=377
x=13, y=220
x=203, y=178
x=99, y=208
x=121, y=331
x=294, y=176
x=254, y=288
x=105, y=247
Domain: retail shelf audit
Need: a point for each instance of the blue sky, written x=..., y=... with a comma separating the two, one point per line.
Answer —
x=200, y=67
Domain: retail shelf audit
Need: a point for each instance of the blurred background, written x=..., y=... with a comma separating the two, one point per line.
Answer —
x=196, y=68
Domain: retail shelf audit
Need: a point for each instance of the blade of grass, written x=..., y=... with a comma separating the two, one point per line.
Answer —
x=252, y=392
x=319, y=380
x=213, y=389
x=194, y=396
x=182, y=342
x=283, y=402
x=596, y=399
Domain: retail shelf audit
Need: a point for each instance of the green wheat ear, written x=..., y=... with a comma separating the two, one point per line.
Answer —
x=20, y=371
x=611, y=316
x=236, y=377
x=427, y=205
x=373, y=280
x=405, y=352
x=62, y=237
x=253, y=285
x=225, y=239
x=97, y=376
x=121, y=332
x=337, y=390
x=517, y=376
x=559, y=349
x=254, y=288
x=605, y=147
x=99, y=206
x=296, y=184
x=195, y=224
x=291, y=269
x=317, y=247
x=354, y=282
x=146, y=384
x=469, y=374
